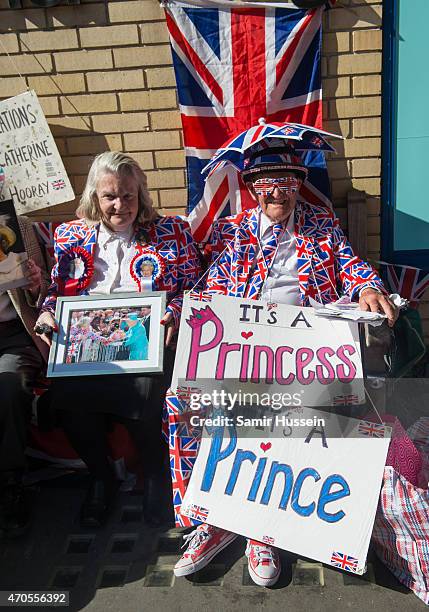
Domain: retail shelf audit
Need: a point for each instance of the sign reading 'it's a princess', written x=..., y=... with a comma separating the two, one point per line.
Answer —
x=248, y=345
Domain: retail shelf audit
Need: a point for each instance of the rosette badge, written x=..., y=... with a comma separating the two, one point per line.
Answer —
x=75, y=270
x=146, y=267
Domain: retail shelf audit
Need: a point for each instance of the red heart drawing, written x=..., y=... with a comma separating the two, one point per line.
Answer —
x=266, y=446
x=247, y=335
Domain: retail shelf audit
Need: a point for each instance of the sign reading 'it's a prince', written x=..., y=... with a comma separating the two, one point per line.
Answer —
x=313, y=491
x=34, y=173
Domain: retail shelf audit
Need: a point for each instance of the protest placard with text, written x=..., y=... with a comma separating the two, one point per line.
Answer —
x=247, y=345
x=310, y=487
x=34, y=173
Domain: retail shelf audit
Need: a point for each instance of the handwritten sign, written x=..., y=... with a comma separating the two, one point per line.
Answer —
x=247, y=345
x=310, y=489
x=34, y=173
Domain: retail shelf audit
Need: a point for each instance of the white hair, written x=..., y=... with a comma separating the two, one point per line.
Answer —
x=115, y=162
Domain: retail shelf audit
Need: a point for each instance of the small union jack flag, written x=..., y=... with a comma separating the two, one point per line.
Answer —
x=201, y=296
x=411, y=283
x=344, y=562
x=318, y=142
x=198, y=513
x=185, y=393
x=57, y=185
x=271, y=305
x=345, y=400
x=372, y=430
x=268, y=540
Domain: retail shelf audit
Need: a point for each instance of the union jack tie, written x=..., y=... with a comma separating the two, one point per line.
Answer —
x=268, y=243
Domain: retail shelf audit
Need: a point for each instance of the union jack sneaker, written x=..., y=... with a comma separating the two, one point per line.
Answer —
x=204, y=543
x=263, y=562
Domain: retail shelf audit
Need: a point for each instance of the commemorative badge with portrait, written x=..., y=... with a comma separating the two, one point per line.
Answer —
x=146, y=267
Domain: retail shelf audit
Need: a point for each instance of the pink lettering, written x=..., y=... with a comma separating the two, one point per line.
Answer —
x=322, y=354
x=268, y=352
x=304, y=357
x=224, y=349
x=279, y=366
x=341, y=373
x=197, y=321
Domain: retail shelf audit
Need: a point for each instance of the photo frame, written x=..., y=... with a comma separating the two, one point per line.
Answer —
x=108, y=334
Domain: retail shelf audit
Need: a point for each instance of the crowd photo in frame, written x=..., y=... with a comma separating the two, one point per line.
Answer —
x=108, y=334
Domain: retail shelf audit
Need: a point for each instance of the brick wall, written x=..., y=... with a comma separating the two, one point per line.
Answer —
x=103, y=73
x=351, y=67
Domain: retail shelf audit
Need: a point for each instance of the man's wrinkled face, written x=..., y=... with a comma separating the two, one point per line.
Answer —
x=276, y=193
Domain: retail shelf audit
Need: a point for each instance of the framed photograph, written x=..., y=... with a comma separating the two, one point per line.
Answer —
x=12, y=250
x=108, y=334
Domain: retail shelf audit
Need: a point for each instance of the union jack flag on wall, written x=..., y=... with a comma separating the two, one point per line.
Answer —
x=233, y=66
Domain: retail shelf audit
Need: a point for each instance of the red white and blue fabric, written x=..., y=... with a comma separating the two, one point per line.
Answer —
x=169, y=237
x=296, y=136
x=327, y=265
x=184, y=442
x=411, y=283
x=234, y=66
x=401, y=531
x=45, y=232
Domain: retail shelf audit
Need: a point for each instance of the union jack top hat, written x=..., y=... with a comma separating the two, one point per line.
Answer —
x=270, y=159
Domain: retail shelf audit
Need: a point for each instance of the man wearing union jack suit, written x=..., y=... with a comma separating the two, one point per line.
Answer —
x=282, y=251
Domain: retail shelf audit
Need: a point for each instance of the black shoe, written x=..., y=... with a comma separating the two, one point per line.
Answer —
x=157, y=502
x=15, y=509
x=98, y=503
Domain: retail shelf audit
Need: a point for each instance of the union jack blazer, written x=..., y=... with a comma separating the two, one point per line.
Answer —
x=169, y=237
x=327, y=265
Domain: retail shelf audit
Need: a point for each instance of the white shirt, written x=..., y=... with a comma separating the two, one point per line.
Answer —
x=112, y=258
x=281, y=285
x=7, y=310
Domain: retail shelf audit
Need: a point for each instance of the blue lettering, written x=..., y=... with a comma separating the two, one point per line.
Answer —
x=295, y=505
x=240, y=456
x=216, y=455
x=257, y=479
x=278, y=468
x=326, y=497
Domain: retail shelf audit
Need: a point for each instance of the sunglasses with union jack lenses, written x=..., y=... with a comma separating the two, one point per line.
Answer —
x=265, y=186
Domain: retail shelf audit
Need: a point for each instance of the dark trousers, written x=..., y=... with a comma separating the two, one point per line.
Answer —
x=20, y=364
x=87, y=433
x=88, y=405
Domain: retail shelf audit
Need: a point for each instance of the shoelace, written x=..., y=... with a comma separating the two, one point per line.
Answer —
x=262, y=554
x=195, y=538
